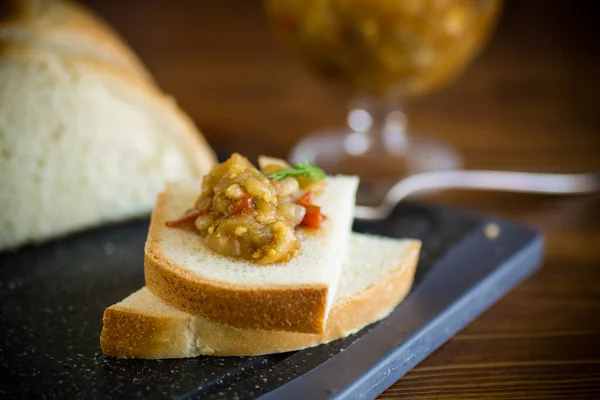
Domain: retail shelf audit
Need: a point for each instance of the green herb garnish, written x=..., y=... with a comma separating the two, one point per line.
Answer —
x=305, y=170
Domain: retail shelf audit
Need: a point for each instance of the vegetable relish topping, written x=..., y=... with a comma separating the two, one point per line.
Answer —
x=253, y=215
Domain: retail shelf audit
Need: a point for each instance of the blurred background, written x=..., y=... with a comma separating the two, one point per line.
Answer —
x=530, y=100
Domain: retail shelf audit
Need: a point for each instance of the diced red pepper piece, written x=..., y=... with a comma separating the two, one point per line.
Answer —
x=304, y=201
x=313, y=217
x=189, y=216
x=243, y=205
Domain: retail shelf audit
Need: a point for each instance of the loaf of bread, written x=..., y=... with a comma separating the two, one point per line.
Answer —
x=68, y=29
x=293, y=296
x=377, y=275
x=86, y=137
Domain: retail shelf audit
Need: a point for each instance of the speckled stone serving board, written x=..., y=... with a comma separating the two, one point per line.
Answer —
x=52, y=298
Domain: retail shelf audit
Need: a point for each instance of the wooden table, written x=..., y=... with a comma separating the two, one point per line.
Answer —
x=531, y=101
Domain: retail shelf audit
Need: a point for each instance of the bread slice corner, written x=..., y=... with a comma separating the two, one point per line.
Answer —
x=141, y=326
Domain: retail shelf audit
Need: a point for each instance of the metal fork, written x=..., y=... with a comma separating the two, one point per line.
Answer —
x=524, y=182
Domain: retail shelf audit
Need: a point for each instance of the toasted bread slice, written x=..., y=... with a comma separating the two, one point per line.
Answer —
x=294, y=296
x=376, y=277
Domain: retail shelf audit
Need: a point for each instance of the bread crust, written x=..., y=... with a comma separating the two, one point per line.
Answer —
x=127, y=334
x=298, y=309
x=374, y=304
x=211, y=338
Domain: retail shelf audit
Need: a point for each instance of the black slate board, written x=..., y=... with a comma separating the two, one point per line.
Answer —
x=52, y=298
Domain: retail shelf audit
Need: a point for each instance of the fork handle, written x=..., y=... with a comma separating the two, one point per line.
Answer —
x=526, y=182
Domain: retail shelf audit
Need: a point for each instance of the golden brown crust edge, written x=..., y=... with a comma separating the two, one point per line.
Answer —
x=211, y=338
x=128, y=334
x=283, y=309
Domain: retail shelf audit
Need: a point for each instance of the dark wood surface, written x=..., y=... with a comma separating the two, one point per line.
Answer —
x=531, y=101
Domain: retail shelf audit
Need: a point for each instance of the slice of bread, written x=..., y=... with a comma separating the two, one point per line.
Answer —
x=86, y=138
x=293, y=296
x=376, y=277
